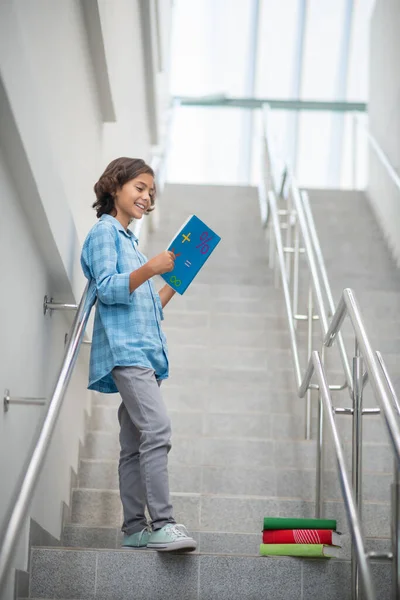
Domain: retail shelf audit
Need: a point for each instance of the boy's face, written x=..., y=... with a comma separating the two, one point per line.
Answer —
x=132, y=200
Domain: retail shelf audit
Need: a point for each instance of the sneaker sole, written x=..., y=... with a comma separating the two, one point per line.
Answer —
x=180, y=545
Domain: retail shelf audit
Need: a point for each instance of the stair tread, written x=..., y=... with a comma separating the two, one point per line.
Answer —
x=150, y=550
x=224, y=495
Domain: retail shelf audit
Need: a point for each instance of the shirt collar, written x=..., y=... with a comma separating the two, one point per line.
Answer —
x=118, y=226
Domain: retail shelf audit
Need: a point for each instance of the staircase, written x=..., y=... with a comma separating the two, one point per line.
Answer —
x=238, y=449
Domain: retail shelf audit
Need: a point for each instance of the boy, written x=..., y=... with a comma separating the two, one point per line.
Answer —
x=129, y=353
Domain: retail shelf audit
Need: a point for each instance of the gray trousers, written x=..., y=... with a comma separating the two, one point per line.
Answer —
x=145, y=432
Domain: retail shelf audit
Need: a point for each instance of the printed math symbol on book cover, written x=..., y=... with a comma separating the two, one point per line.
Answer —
x=188, y=263
x=176, y=255
x=175, y=281
x=186, y=238
x=204, y=239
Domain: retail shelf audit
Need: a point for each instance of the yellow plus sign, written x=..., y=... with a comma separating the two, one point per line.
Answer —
x=186, y=238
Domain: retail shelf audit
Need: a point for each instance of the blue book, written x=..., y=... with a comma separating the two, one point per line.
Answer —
x=192, y=245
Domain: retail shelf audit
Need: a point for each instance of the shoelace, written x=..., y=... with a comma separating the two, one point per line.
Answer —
x=178, y=530
x=144, y=530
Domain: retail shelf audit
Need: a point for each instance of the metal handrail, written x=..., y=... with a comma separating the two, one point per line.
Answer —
x=313, y=249
x=379, y=381
x=378, y=150
x=326, y=285
x=31, y=476
x=395, y=399
x=315, y=366
x=285, y=286
x=313, y=254
x=386, y=397
x=384, y=159
x=395, y=521
x=286, y=292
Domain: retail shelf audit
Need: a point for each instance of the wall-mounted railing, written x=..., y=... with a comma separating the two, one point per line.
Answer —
x=383, y=185
x=19, y=506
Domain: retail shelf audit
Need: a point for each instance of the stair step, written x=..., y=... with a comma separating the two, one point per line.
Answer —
x=260, y=426
x=211, y=542
x=262, y=481
x=221, y=424
x=83, y=536
x=220, y=398
x=233, y=357
x=186, y=450
x=121, y=574
x=223, y=512
x=226, y=398
x=256, y=378
x=261, y=338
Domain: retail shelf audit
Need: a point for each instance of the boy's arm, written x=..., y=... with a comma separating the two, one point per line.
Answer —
x=166, y=293
x=114, y=287
x=139, y=276
x=162, y=263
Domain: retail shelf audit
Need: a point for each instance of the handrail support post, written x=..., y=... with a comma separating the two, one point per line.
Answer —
x=309, y=351
x=358, y=377
x=395, y=526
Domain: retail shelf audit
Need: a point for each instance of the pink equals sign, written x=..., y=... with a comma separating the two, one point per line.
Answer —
x=188, y=263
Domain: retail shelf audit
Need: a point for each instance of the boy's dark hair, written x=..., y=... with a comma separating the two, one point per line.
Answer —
x=118, y=172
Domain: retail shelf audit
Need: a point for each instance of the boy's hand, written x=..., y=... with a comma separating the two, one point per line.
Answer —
x=162, y=263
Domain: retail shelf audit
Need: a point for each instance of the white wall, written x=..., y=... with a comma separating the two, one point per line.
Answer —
x=129, y=135
x=57, y=54
x=54, y=144
x=31, y=351
x=384, y=116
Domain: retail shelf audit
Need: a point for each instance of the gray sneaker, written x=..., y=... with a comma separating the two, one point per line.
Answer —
x=172, y=536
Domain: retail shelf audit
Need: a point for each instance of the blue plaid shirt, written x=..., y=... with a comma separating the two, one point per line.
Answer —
x=127, y=326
